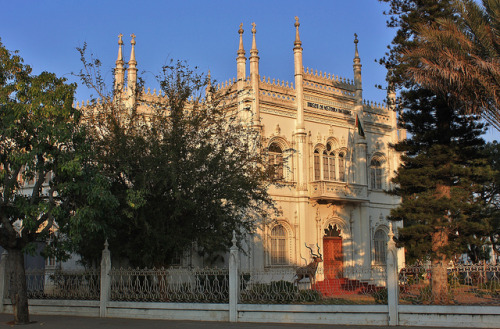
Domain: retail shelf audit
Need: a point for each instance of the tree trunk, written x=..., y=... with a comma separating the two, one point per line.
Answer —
x=439, y=271
x=18, y=290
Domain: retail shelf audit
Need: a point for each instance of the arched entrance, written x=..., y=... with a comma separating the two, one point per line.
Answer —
x=333, y=255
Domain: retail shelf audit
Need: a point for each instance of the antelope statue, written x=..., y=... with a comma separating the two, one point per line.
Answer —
x=309, y=271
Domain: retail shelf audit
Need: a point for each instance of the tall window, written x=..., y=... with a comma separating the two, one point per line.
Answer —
x=380, y=241
x=376, y=173
x=276, y=161
x=342, y=167
x=278, y=246
x=317, y=169
x=329, y=163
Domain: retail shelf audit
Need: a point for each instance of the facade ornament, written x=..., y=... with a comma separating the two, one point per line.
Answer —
x=330, y=131
x=277, y=132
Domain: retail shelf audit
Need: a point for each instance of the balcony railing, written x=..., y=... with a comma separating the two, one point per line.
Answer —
x=324, y=190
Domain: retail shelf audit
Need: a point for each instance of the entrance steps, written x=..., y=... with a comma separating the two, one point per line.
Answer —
x=343, y=286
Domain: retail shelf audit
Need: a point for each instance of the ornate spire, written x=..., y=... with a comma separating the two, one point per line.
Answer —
x=357, y=70
x=132, y=73
x=119, y=69
x=297, y=43
x=119, y=60
x=254, y=51
x=241, y=51
x=241, y=59
x=132, y=52
x=356, y=54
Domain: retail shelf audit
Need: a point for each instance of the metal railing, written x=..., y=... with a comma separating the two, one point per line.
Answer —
x=280, y=286
x=57, y=284
x=467, y=284
x=182, y=285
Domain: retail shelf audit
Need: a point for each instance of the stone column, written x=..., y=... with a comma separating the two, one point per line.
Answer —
x=105, y=281
x=3, y=279
x=234, y=290
x=392, y=279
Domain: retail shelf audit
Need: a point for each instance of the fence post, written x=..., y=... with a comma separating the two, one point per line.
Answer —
x=233, y=280
x=3, y=279
x=105, y=281
x=392, y=279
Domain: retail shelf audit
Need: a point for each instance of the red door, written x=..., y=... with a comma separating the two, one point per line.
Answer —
x=333, y=260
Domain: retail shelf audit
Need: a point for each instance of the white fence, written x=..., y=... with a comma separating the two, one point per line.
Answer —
x=269, y=295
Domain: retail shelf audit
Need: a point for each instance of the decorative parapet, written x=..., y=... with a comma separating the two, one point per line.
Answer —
x=376, y=113
x=225, y=85
x=329, y=82
x=325, y=190
x=276, y=91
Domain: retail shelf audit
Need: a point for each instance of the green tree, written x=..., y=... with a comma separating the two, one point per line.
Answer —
x=39, y=164
x=186, y=168
x=489, y=212
x=460, y=55
x=444, y=170
x=443, y=167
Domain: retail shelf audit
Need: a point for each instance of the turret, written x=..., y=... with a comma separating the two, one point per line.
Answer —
x=119, y=69
x=357, y=71
x=254, y=77
x=241, y=60
x=299, y=70
x=132, y=73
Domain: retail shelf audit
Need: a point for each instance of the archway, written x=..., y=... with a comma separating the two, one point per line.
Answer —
x=333, y=258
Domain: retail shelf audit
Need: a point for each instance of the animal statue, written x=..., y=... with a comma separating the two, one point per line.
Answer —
x=309, y=271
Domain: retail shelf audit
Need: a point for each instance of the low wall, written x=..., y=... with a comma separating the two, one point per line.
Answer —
x=409, y=315
x=169, y=311
x=449, y=316
x=60, y=307
x=315, y=314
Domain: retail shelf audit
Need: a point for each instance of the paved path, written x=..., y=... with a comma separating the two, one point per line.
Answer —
x=74, y=322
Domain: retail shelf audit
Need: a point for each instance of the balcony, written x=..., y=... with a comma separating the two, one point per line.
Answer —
x=341, y=191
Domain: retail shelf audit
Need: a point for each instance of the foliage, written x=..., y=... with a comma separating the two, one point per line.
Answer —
x=42, y=157
x=459, y=55
x=406, y=15
x=445, y=150
x=186, y=169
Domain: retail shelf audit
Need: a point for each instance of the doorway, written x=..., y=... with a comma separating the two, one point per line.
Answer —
x=333, y=254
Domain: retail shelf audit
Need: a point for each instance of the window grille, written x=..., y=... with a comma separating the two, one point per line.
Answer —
x=278, y=246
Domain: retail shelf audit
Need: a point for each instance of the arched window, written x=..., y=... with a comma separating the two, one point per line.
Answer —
x=376, y=174
x=342, y=176
x=329, y=163
x=276, y=161
x=278, y=246
x=317, y=169
x=380, y=242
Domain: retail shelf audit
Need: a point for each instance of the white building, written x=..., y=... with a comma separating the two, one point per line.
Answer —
x=335, y=177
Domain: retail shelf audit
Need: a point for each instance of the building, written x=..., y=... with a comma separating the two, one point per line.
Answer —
x=331, y=148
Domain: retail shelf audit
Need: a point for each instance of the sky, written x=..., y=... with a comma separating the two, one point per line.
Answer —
x=204, y=33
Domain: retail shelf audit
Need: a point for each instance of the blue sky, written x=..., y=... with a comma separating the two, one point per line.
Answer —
x=204, y=33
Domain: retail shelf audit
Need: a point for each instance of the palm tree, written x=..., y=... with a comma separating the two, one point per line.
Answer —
x=459, y=56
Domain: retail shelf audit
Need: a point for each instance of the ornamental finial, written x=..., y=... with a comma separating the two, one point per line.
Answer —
x=120, y=41
x=356, y=54
x=253, y=27
x=297, y=36
x=133, y=39
x=234, y=239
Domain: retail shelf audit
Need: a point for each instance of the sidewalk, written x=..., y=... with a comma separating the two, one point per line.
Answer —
x=73, y=322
